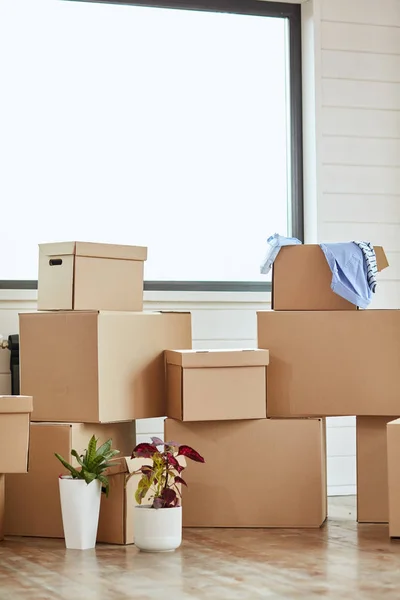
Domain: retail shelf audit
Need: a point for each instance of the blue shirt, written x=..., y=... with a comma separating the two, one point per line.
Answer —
x=349, y=272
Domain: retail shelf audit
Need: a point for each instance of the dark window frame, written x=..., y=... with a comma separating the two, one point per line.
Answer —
x=245, y=7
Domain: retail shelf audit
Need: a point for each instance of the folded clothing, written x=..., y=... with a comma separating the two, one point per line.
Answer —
x=275, y=243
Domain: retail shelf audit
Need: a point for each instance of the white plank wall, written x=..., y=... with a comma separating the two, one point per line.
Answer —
x=356, y=68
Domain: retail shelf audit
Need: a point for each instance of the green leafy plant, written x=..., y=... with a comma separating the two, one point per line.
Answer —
x=163, y=477
x=92, y=463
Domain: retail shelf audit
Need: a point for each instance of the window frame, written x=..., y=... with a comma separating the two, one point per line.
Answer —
x=266, y=8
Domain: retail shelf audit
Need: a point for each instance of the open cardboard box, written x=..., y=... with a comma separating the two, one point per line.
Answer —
x=301, y=279
x=14, y=441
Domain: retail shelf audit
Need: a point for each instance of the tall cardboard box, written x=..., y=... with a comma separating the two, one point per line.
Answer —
x=89, y=367
x=331, y=363
x=33, y=500
x=15, y=412
x=301, y=279
x=214, y=385
x=5, y=384
x=261, y=473
x=393, y=453
x=372, y=470
x=87, y=276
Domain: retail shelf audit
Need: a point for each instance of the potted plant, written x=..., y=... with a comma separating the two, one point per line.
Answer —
x=158, y=525
x=80, y=494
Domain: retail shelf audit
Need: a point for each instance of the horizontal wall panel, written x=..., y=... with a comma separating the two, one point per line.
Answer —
x=341, y=422
x=359, y=38
x=341, y=441
x=378, y=234
x=374, y=12
x=361, y=123
x=360, y=94
x=359, y=208
x=220, y=344
x=224, y=324
x=338, y=64
x=369, y=152
x=361, y=180
x=148, y=426
x=341, y=470
x=343, y=490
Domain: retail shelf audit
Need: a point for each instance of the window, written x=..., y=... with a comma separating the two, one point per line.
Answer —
x=172, y=128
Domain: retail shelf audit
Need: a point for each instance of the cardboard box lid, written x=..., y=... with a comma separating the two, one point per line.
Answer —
x=195, y=359
x=16, y=404
x=93, y=250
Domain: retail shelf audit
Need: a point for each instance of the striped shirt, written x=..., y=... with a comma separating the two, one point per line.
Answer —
x=370, y=261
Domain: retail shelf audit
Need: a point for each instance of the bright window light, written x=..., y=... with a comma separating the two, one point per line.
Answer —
x=145, y=126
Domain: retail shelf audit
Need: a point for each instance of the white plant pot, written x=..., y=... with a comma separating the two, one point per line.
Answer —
x=80, y=508
x=157, y=529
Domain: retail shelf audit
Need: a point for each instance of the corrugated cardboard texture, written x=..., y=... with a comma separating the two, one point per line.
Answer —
x=215, y=394
x=4, y=361
x=199, y=359
x=2, y=505
x=14, y=433
x=393, y=453
x=33, y=500
x=372, y=470
x=116, y=511
x=331, y=363
x=98, y=367
x=301, y=280
x=5, y=384
x=262, y=473
x=85, y=276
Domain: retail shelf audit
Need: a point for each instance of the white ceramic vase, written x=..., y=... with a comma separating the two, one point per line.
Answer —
x=80, y=508
x=157, y=529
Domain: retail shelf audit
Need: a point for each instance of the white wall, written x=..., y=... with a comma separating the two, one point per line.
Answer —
x=352, y=150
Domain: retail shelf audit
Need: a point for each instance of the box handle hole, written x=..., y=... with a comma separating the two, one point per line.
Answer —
x=55, y=262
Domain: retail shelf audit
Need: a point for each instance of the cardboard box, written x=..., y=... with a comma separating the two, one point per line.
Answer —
x=5, y=384
x=372, y=470
x=116, y=511
x=15, y=414
x=301, y=279
x=88, y=367
x=331, y=363
x=33, y=500
x=261, y=473
x=215, y=385
x=87, y=276
x=2, y=506
x=393, y=484
x=4, y=360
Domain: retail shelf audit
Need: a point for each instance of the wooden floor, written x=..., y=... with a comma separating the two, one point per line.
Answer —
x=341, y=561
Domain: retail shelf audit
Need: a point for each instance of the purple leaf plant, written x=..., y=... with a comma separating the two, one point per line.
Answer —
x=162, y=478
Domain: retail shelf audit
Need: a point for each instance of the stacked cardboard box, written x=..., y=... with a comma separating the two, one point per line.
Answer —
x=330, y=359
x=5, y=373
x=258, y=472
x=94, y=362
x=14, y=442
